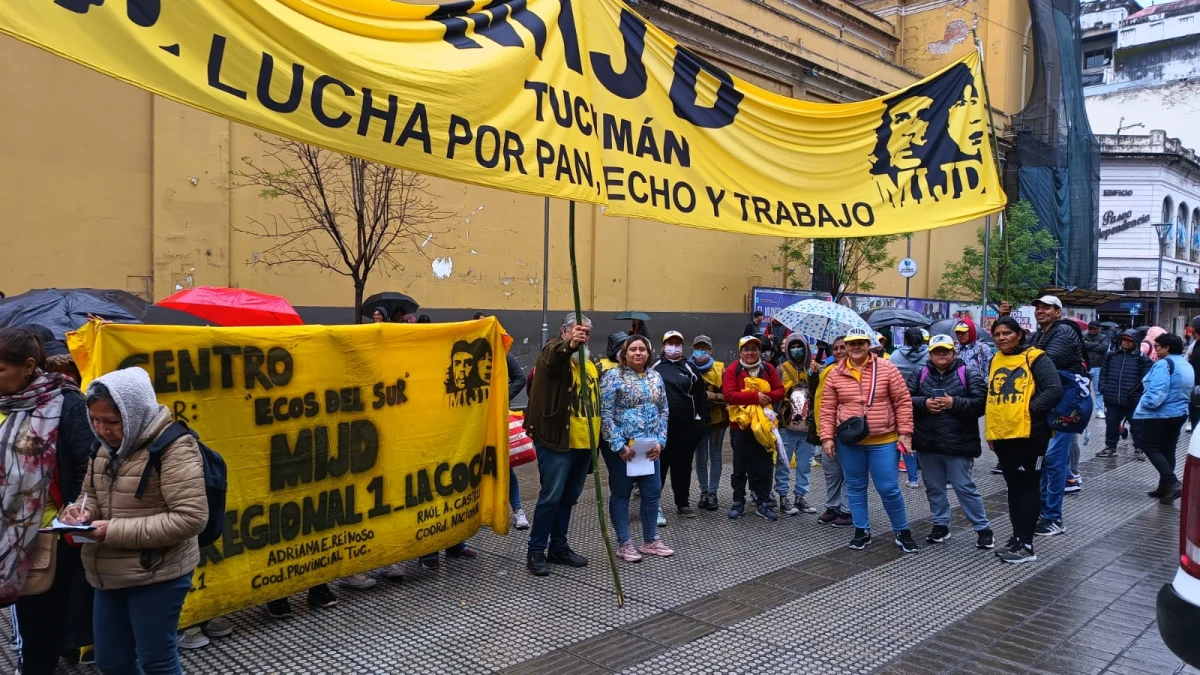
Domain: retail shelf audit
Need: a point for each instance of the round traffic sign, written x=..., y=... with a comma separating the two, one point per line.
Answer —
x=907, y=268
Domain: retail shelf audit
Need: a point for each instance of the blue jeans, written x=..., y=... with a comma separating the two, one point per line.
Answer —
x=911, y=464
x=562, y=475
x=514, y=490
x=136, y=627
x=708, y=458
x=798, y=446
x=880, y=462
x=1095, y=373
x=942, y=469
x=620, y=486
x=1054, y=474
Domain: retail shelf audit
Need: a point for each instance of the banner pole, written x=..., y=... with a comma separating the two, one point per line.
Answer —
x=546, y=274
x=586, y=384
x=987, y=221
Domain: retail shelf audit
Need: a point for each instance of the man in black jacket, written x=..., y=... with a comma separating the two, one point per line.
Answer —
x=687, y=401
x=1120, y=380
x=948, y=400
x=1096, y=344
x=1062, y=342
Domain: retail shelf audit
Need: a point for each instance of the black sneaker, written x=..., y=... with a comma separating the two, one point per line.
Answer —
x=321, y=597
x=279, y=609
x=687, y=512
x=861, y=540
x=985, y=539
x=786, y=506
x=565, y=556
x=905, y=541
x=1049, y=528
x=997, y=470
x=1073, y=485
x=712, y=501
x=1012, y=544
x=767, y=511
x=537, y=564
x=703, y=502
x=1020, y=554
x=803, y=506
x=1107, y=452
x=737, y=509
x=938, y=534
x=828, y=517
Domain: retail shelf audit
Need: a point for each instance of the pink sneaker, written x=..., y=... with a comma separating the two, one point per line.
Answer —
x=628, y=553
x=657, y=548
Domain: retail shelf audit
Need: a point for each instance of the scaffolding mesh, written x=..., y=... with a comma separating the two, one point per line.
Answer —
x=1056, y=161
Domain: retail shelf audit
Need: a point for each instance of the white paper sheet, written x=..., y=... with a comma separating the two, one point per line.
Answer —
x=640, y=465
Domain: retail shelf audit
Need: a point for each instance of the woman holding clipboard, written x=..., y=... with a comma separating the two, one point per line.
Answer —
x=633, y=420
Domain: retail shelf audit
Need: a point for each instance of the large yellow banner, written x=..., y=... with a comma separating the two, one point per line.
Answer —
x=348, y=447
x=572, y=99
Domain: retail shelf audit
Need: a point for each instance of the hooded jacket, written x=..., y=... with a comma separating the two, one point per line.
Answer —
x=795, y=372
x=975, y=354
x=1148, y=342
x=151, y=539
x=613, y=350
x=687, y=391
x=954, y=432
x=909, y=360
x=1063, y=345
x=1097, y=348
x=1122, y=372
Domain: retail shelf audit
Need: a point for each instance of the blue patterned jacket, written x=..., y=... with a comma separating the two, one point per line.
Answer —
x=632, y=406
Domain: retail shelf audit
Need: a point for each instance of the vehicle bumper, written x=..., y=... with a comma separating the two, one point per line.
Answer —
x=1179, y=625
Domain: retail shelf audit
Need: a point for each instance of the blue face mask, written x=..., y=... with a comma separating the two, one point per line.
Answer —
x=700, y=354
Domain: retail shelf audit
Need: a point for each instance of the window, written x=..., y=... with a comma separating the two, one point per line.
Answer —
x=1097, y=58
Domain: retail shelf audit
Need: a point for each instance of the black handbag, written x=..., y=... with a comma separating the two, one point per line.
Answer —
x=855, y=429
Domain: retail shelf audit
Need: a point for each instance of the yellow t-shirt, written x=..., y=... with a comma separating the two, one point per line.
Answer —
x=874, y=439
x=1010, y=389
x=581, y=406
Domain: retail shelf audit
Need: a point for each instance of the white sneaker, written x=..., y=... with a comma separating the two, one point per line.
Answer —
x=662, y=520
x=359, y=582
x=393, y=572
x=1100, y=415
x=519, y=520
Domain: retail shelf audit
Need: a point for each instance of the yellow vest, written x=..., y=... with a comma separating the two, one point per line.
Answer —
x=582, y=405
x=1010, y=389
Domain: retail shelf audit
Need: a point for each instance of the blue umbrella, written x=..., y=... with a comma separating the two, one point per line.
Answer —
x=822, y=321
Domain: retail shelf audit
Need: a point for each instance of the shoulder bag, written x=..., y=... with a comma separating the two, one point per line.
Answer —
x=855, y=429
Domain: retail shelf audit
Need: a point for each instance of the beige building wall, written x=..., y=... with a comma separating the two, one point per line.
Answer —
x=104, y=185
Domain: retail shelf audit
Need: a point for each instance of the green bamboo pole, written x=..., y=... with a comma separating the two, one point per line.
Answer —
x=586, y=396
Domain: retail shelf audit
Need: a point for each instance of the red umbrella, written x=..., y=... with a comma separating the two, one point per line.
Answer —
x=1083, y=325
x=233, y=307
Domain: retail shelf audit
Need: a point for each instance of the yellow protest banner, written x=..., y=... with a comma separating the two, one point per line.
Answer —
x=563, y=98
x=348, y=447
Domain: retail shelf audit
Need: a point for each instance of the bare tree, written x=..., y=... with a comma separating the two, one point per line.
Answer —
x=352, y=217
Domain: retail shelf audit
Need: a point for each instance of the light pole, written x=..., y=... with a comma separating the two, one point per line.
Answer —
x=1163, y=229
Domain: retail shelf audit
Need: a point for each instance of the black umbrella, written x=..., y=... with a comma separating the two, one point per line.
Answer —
x=64, y=310
x=630, y=316
x=886, y=317
x=946, y=327
x=390, y=302
x=1109, y=325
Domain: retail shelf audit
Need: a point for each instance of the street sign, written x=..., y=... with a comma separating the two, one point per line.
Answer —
x=907, y=268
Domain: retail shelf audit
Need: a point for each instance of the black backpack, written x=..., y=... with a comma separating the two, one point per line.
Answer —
x=215, y=477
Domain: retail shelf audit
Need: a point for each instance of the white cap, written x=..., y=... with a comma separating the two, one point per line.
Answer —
x=672, y=334
x=1051, y=300
x=942, y=341
x=856, y=333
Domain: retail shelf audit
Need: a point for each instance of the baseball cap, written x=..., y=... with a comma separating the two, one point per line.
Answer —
x=925, y=335
x=941, y=341
x=1051, y=300
x=1094, y=324
x=672, y=334
x=962, y=327
x=856, y=333
x=748, y=339
x=702, y=340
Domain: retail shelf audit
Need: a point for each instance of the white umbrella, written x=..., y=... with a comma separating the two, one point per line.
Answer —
x=820, y=320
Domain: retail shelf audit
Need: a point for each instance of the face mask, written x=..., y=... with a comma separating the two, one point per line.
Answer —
x=673, y=352
x=797, y=354
x=700, y=354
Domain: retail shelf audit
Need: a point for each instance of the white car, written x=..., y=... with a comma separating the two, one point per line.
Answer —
x=1178, y=606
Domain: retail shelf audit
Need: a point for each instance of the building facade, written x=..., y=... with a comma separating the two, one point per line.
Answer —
x=136, y=193
x=1148, y=180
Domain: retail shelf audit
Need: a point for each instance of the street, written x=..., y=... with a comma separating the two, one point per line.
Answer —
x=753, y=597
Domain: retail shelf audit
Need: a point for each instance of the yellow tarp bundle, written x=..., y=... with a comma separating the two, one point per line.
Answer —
x=754, y=417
